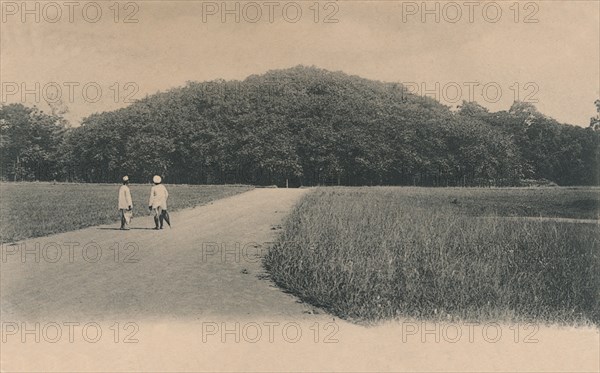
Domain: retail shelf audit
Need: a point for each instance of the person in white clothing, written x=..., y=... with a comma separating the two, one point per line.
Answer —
x=125, y=204
x=158, y=203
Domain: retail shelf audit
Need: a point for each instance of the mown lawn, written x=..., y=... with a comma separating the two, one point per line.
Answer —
x=38, y=209
x=368, y=254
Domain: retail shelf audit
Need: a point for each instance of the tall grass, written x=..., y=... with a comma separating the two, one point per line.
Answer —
x=377, y=253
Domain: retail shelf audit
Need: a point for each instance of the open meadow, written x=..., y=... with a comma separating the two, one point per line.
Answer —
x=38, y=209
x=369, y=254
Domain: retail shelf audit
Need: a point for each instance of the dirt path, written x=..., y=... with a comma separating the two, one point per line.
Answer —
x=207, y=264
x=542, y=219
x=190, y=299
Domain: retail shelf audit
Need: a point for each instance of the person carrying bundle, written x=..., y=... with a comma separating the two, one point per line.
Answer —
x=125, y=204
x=158, y=203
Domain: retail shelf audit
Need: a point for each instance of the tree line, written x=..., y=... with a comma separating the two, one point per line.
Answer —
x=302, y=126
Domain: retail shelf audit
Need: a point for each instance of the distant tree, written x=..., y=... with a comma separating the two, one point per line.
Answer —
x=302, y=125
x=595, y=120
x=472, y=109
x=29, y=143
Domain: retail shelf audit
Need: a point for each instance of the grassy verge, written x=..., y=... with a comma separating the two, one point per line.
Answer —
x=368, y=254
x=39, y=209
x=573, y=202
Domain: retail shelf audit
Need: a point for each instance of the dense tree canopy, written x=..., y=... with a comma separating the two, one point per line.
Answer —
x=305, y=125
x=29, y=143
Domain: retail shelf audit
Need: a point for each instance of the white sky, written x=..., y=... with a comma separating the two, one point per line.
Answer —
x=171, y=44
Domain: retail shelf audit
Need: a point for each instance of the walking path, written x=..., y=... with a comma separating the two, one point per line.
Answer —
x=196, y=298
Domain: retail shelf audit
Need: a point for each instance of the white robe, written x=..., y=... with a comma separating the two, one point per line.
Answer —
x=158, y=197
x=125, y=197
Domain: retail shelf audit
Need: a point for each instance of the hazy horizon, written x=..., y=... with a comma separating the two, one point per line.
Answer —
x=554, y=61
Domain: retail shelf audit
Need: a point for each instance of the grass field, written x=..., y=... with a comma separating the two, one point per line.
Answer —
x=368, y=254
x=573, y=202
x=38, y=209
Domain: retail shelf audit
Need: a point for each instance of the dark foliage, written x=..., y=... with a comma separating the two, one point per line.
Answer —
x=304, y=125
